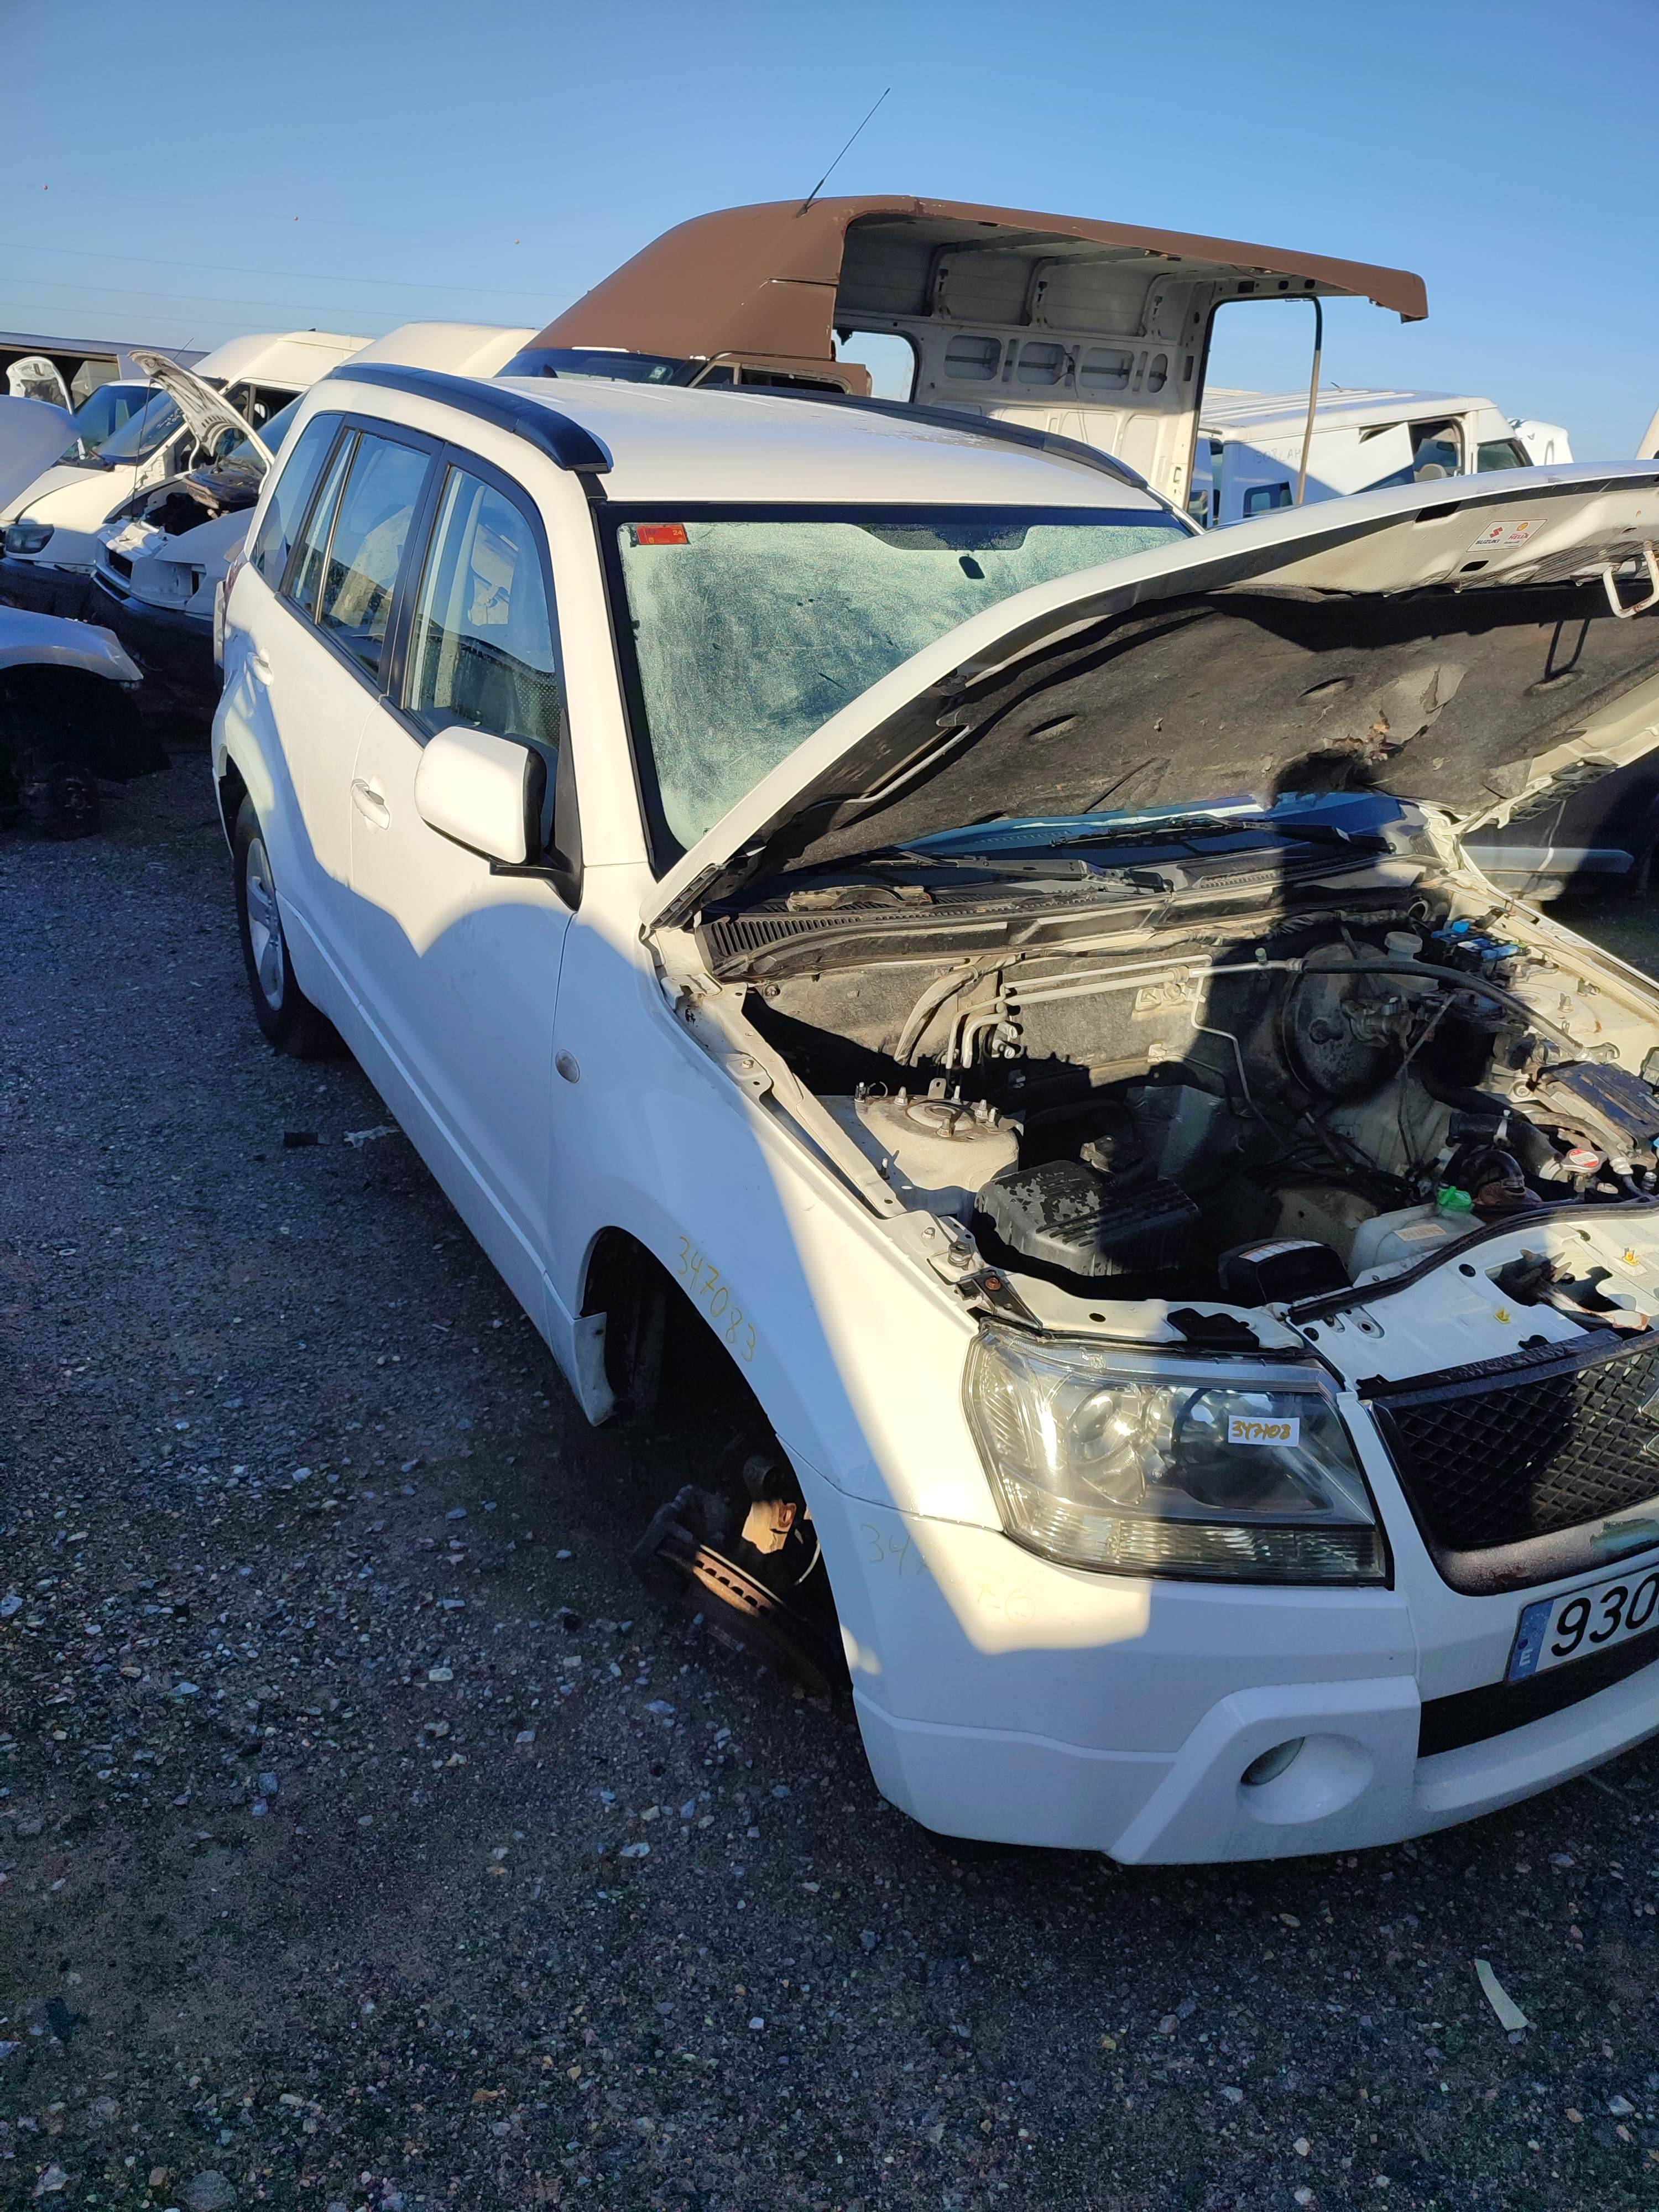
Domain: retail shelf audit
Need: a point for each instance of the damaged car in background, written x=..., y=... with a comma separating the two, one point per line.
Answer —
x=163, y=554
x=48, y=528
x=1187, y=1243
x=68, y=693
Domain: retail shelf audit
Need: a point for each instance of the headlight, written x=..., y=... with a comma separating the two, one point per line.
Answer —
x=1138, y=1467
x=28, y=537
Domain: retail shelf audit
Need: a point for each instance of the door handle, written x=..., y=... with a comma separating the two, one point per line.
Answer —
x=368, y=802
x=259, y=666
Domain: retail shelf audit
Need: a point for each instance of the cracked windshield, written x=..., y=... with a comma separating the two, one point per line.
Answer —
x=751, y=630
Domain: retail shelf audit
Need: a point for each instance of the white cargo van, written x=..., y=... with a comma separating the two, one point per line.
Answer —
x=50, y=543
x=1059, y=326
x=1248, y=460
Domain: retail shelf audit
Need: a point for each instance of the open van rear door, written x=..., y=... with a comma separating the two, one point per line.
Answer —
x=1092, y=330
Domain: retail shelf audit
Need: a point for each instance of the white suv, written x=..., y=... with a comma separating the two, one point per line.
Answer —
x=877, y=919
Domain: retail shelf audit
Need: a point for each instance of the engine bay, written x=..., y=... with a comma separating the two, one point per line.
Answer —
x=1261, y=1119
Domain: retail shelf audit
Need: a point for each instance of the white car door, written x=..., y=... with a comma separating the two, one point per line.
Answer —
x=313, y=669
x=270, y=713
x=459, y=959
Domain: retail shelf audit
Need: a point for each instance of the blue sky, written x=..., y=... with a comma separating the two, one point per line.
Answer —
x=179, y=174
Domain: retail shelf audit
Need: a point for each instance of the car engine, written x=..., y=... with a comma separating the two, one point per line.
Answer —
x=1262, y=1119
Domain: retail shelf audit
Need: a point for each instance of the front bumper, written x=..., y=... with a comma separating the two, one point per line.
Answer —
x=1002, y=1698
x=46, y=590
x=1357, y=1781
x=172, y=646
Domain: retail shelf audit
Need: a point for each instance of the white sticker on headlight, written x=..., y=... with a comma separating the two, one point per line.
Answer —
x=1245, y=1429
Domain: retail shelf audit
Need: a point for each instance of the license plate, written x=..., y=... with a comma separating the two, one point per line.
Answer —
x=1558, y=1629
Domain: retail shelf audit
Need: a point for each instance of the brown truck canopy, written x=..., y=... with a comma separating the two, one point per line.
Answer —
x=1092, y=330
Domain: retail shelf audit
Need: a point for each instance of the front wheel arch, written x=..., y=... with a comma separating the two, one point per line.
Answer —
x=713, y=1435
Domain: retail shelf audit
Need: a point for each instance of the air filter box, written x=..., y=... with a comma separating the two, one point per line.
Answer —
x=1605, y=1107
x=1073, y=1219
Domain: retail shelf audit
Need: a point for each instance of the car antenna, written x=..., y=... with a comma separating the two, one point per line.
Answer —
x=835, y=164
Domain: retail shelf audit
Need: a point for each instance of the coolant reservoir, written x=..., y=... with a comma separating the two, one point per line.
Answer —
x=1406, y=944
x=1401, y=1239
x=945, y=1149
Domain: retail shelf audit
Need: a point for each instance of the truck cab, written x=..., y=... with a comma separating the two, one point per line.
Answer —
x=1248, y=457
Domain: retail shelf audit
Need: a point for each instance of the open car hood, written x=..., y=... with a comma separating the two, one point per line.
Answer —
x=33, y=434
x=1461, y=651
x=208, y=414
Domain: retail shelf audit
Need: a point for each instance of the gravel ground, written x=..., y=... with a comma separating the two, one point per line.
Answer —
x=369, y=1839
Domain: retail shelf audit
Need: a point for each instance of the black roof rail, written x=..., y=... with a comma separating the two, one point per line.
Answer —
x=564, y=442
x=982, y=425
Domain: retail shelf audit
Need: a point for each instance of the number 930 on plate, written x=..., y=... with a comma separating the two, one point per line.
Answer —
x=1558, y=1629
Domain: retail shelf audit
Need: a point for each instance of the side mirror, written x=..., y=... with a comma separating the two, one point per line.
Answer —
x=483, y=791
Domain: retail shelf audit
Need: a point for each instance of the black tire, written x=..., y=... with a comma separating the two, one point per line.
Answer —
x=62, y=799
x=282, y=1009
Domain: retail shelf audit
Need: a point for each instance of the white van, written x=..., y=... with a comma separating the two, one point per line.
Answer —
x=50, y=544
x=1059, y=327
x=1249, y=459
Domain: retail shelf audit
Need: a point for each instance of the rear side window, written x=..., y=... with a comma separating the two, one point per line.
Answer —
x=482, y=652
x=291, y=495
x=314, y=544
x=366, y=547
x=1263, y=499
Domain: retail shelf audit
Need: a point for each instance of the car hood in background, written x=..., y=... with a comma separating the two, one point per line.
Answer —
x=181, y=504
x=208, y=413
x=1460, y=650
x=33, y=434
x=32, y=640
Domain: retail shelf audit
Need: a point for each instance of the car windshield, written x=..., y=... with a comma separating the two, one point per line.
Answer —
x=601, y=361
x=106, y=410
x=751, y=627
x=151, y=425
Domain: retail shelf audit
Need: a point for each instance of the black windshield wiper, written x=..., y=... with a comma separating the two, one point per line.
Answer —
x=1326, y=833
x=1180, y=832
x=914, y=877
x=917, y=861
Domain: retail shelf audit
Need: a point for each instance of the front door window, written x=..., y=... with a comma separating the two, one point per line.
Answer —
x=481, y=653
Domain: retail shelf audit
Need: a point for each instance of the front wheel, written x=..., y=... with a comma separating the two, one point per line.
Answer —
x=282, y=1009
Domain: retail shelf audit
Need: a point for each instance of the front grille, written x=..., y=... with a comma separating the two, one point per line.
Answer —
x=1517, y=1452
